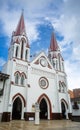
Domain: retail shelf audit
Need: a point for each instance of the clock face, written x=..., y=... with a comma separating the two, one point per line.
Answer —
x=43, y=82
x=43, y=62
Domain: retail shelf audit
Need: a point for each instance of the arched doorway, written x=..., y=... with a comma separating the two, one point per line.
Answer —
x=43, y=109
x=63, y=110
x=17, y=109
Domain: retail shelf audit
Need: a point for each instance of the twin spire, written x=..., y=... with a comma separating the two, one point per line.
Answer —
x=21, y=30
x=53, y=43
x=21, y=26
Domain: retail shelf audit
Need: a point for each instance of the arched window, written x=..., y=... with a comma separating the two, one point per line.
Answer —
x=17, y=78
x=63, y=88
x=22, y=80
x=26, y=53
x=16, y=54
x=22, y=47
x=49, y=56
x=59, y=59
x=60, y=86
x=53, y=64
x=56, y=64
x=63, y=66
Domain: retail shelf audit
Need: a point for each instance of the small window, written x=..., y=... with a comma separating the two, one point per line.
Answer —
x=26, y=53
x=17, y=78
x=16, y=54
x=49, y=56
x=22, y=80
x=60, y=86
x=62, y=66
x=22, y=47
x=56, y=64
x=53, y=64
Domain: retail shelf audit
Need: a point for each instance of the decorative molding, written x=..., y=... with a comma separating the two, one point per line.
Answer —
x=49, y=66
x=36, y=62
x=20, y=74
x=23, y=74
x=45, y=97
x=62, y=100
x=17, y=72
x=43, y=61
x=12, y=82
x=41, y=72
x=21, y=67
x=19, y=95
x=19, y=59
x=43, y=83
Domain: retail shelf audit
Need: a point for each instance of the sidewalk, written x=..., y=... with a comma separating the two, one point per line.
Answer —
x=44, y=125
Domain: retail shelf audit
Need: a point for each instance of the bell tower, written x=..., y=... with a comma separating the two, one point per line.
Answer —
x=19, y=47
x=54, y=54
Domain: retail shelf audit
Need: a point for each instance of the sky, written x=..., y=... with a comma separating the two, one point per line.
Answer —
x=41, y=18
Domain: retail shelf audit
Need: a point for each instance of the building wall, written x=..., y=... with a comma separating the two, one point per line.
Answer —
x=76, y=92
x=32, y=92
x=76, y=109
x=35, y=91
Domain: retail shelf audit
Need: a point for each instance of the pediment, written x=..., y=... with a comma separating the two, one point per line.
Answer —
x=42, y=61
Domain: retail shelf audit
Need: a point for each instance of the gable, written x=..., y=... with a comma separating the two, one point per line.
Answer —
x=42, y=61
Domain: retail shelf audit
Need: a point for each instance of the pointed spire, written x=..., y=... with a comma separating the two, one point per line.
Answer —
x=53, y=44
x=21, y=26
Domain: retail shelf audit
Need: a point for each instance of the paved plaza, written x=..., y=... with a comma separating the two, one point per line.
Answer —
x=44, y=125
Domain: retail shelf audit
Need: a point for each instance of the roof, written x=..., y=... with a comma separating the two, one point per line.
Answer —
x=21, y=26
x=3, y=76
x=53, y=43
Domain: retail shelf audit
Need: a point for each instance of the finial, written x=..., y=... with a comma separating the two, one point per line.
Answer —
x=22, y=10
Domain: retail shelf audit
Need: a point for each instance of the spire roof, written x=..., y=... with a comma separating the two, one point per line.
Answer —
x=53, y=43
x=21, y=26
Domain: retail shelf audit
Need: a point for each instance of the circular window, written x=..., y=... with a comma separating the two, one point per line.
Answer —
x=43, y=62
x=43, y=82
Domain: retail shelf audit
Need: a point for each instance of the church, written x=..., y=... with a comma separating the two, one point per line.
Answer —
x=24, y=82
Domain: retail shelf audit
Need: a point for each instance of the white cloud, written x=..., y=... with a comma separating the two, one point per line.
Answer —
x=32, y=32
x=34, y=12
x=10, y=21
x=64, y=16
x=68, y=25
x=73, y=74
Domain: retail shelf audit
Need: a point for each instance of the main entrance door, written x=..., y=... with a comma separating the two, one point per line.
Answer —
x=43, y=109
x=17, y=109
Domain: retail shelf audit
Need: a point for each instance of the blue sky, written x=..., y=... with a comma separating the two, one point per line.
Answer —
x=41, y=18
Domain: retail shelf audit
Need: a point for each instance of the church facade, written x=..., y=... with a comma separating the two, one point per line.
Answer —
x=42, y=80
